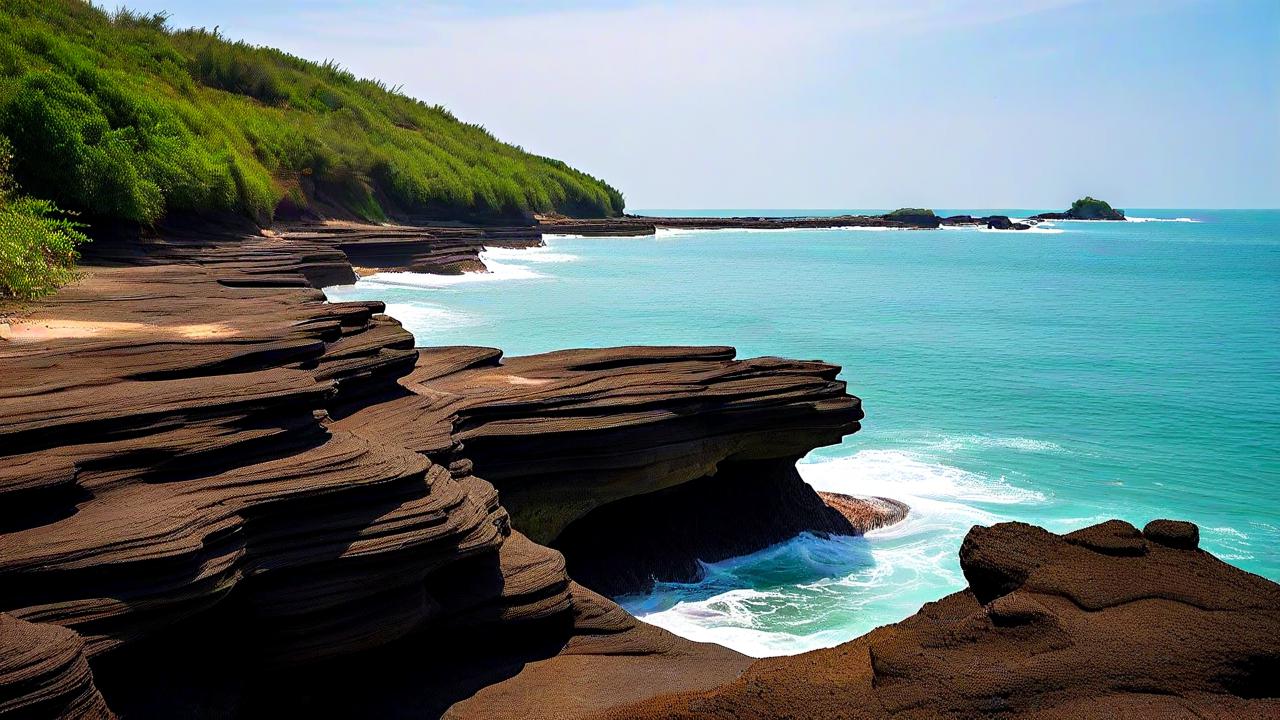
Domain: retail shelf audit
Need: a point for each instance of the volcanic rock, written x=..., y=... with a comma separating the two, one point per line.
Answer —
x=1050, y=627
x=866, y=513
x=1173, y=533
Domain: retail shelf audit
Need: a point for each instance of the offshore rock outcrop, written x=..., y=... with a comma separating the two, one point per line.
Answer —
x=1086, y=208
x=210, y=478
x=991, y=222
x=628, y=225
x=1104, y=622
x=866, y=513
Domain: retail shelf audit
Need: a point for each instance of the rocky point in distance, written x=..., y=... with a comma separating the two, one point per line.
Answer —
x=1086, y=208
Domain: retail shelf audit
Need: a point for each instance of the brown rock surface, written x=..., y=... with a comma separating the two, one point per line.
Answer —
x=44, y=673
x=866, y=513
x=214, y=484
x=1050, y=627
x=666, y=535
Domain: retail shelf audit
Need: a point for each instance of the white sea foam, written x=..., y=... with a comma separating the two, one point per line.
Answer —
x=423, y=319
x=1227, y=543
x=545, y=254
x=737, y=619
x=953, y=443
x=1041, y=229
x=1033, y=230
x=498, y=272
x=910, y=476
x=859, y=582
x=1131, y=219
x=662, y=232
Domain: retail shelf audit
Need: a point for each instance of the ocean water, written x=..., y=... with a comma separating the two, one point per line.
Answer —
x=1062, y=376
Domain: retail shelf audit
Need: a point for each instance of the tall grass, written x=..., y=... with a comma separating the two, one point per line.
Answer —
x=117, y=116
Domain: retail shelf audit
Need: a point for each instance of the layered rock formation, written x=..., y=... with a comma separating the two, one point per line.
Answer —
x=435, y=249
x=1104, y=622
x=564, y=433
x=210, y=477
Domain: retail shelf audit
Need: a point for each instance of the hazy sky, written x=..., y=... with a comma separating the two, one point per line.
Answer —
x=942, y=103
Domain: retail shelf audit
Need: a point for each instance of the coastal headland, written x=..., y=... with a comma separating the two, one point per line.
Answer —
x=222, y=495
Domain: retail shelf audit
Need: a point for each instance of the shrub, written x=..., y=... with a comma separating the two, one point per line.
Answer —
x=37, y=247
x=37, y=242
x=1091, y=204
x=1089, y=208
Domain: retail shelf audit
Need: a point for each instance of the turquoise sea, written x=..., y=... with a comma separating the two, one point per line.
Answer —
x=1064, y=375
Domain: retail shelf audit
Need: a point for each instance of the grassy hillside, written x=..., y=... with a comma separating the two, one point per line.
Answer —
x=118, y=117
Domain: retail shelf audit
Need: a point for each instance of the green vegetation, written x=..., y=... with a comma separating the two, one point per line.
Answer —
x=37, y=243
x=910, y=212
x=118, y=117
x=1088, y=208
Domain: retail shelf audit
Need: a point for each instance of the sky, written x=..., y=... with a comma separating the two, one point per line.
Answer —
x=824, y=104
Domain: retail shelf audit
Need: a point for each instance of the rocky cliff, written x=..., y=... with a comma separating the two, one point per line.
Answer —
x=211, y=478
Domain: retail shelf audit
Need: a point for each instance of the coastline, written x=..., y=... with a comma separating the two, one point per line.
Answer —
x=342, y=483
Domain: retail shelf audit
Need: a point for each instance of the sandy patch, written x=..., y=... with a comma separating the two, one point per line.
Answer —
x=510, y=379
x=56, y=329
x=203, y=330
x=517, y=380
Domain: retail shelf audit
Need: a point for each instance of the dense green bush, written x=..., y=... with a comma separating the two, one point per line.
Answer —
x=118, y=117
x=37, y=242
x=1090, y=208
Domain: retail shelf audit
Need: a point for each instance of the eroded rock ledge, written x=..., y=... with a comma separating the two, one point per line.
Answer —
x=218, y=490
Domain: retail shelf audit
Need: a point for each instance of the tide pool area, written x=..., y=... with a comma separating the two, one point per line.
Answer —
x=1063, y=375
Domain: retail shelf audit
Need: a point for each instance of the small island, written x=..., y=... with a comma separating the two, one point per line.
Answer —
x=1086, y=208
